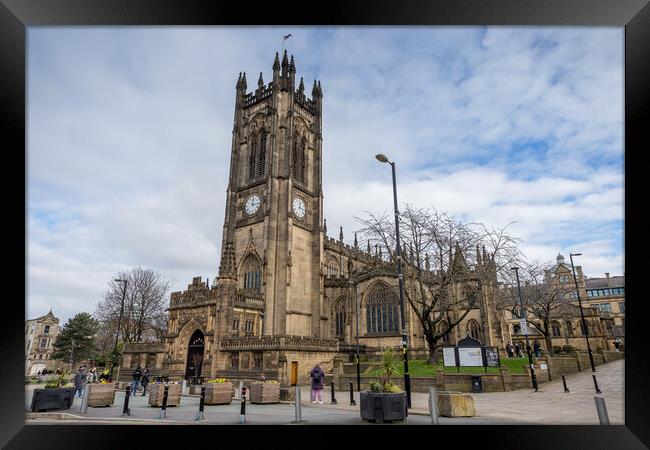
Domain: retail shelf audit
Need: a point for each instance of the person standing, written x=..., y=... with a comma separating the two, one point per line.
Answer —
x=509, y=350
x=79, y=382
x=145, y=381
x=518, y=351
x=537, y=349
x=137, y=374
x=317, y=375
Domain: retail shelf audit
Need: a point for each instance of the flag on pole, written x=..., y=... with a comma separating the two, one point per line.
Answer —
x=287, y=36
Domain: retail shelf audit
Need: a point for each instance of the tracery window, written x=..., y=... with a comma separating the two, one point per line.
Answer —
x=261, y=162
x=339, y=318
x=473, y=328
x=298, y=158
x=555, y=328
x=441, y=327
x=382, y=310
x=252, y=157
x=251, y=274
x=569, y=329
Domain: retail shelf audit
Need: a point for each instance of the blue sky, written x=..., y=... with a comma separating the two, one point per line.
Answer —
x=129, y=140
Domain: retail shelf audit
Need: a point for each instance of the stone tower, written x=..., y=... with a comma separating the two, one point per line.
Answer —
x=272, y=238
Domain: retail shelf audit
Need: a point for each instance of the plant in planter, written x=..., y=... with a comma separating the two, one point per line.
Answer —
x=265, y=391
x=218, y=391
x=56, y=395
x=157, y=393
x=385, y=401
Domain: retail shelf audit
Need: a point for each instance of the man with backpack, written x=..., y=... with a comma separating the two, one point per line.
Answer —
x=317, y=375
x=137, y=374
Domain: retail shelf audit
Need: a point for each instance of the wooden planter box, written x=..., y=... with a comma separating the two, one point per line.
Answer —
x=383, y=407
x=158, y=390
x=218, y=393
x=100, y=394
x=52, y=399
x=265, y=393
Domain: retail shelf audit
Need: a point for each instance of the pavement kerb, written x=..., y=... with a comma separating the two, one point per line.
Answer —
x=68, y=416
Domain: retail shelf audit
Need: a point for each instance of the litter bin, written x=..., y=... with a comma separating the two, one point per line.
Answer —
x=477, y=384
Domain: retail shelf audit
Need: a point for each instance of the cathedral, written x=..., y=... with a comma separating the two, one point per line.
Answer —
x=286, y=295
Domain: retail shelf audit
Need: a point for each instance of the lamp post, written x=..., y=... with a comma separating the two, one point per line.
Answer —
x=407, y=378
x=119, y=323
x=582, y=314
x=522, y=314
x=356, y=318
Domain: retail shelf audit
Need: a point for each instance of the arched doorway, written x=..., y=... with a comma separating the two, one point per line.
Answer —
x=195, y=355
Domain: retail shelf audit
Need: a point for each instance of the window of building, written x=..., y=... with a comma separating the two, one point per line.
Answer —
x=235, y=324
x=569, y=329
x=249, y=326
x=516, y=329
x=43, y=343
x=258, y=360
x=382, y=313
x=621, y=307
x=555, y=328
x=605, y=307
x=473, y=328
x=298, y=158
x=46, y=330
x=582, y=328
x=339, y=317
x=261, y=162
x=251, y=274
x=252, y=157
x=234, y=360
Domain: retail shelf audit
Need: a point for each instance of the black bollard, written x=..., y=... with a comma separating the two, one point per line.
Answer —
x=126, y=411
x=242, y=412
x=596, y=385
x=566, y=389
x=163, y=408
x=199, y=416
x=352, y=401
x=333, y=398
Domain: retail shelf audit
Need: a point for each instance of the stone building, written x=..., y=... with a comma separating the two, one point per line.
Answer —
x=285, y=292
x=603, y=303
x=40, y=334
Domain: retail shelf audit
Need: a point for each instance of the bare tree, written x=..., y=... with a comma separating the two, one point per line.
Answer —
x=440, y=289
x=542, y=299
x=144, y=305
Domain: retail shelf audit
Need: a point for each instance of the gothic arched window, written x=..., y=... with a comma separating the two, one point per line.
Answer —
x=303, y=158
x=382, y=310
x=473, y=328
x=251, y=274
x=582, y=327
x=261, y=166
x=298, y=158
x=332, y=267
x=569, y=329
x=339, y=317
x=555, y=328
x=252, y=156
x=441, y=327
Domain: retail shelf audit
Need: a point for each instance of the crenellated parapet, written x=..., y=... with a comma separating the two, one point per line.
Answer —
x=279, y=342
x=196, y=293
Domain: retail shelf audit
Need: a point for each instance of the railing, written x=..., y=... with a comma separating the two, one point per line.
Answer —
x=249, y=300
x=252, y=98
x=278, y=343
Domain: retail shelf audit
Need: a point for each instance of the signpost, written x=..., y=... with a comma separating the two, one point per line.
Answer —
x=470, y=353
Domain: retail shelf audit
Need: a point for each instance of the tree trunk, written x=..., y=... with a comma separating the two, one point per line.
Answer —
x=549, y=345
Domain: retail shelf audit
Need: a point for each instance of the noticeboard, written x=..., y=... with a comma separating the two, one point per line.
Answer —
x=449, y=356
x=492, y=357
x=470, y=357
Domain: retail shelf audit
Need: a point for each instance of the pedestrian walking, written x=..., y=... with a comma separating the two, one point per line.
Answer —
x=137, y=374
x=509, y=350
x=518, y=351
x=317, y=375
x=95, y=375
x=79, y=382
x=145, y=381
x=537, y=349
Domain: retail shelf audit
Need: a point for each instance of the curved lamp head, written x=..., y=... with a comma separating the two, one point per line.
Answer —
x=575, y=254
x=381, y=158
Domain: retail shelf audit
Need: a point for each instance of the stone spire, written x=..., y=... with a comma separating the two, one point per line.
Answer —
x=292, y=66
x=478, y=256
x=341, y=234
x=228, y=266
x=485, y=258
x=243, y=82
x=207, y=282
x=427, y=265
x=285, y=63
x=260, y=82
x=325, y=226
x=356, y=243
x=301, y=87
x=276, y=63
x=369, y=246
x=314, y=90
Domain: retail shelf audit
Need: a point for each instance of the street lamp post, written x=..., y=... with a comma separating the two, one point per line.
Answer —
x=582, y=314
x=407, y=378
x=522, y=314
x=356, y=318
x=119, y=323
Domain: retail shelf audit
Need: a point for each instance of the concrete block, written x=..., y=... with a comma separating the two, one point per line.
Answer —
x=455, y=404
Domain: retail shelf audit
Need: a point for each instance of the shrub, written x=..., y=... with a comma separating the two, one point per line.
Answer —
x=557, y=349
x=567, y=348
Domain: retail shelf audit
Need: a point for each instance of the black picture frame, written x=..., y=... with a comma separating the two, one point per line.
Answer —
x=16, y=15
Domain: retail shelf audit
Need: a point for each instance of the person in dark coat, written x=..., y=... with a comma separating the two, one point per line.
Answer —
x=509, y=350
x=137, y=374
x=145, y=381
x=79, y=382
x=518, y=351
x=537, y=349
x=317, y=375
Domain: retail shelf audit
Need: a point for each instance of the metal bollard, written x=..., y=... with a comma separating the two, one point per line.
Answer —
x=163, y=408
x=596, y=385
x=352, y=400
x=126, y=411
x=298, y=407
x=242, y=412
x=433, y=406
x=333, y=398
x=84, y=399
x=199, y=416
x=603, y=417
x=566, y=389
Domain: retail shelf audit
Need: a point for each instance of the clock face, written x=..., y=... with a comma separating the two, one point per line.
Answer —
x=252, y=204
x=298, y=207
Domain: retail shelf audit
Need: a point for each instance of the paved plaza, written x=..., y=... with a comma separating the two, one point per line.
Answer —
x=549, y=406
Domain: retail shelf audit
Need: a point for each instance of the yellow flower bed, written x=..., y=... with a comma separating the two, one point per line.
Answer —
x=217, y=380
